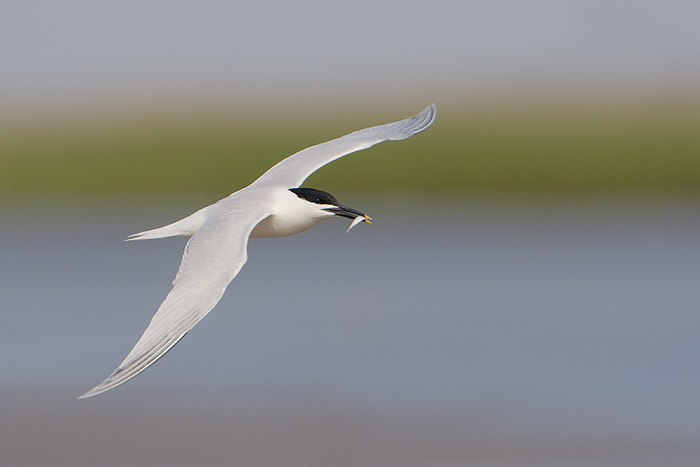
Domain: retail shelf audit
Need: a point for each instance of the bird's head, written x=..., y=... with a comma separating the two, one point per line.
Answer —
x=327, y=204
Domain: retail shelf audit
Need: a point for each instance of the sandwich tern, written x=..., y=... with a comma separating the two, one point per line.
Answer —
x=274, y=205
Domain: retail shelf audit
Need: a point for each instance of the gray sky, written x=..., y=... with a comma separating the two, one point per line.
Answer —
x=86, y=52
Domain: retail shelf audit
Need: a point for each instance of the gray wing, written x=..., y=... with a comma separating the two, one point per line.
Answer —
x=292, y=171
x=212, y=258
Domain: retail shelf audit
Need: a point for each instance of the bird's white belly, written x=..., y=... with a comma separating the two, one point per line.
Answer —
x=282, y=226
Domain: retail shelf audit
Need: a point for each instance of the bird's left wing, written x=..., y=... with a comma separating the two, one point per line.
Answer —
x=212, y=258
x=292, y=171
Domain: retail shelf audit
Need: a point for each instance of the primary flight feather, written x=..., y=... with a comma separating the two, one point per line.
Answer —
x=274, y=205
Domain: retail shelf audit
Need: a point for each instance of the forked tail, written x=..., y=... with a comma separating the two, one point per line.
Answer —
x=183, y=228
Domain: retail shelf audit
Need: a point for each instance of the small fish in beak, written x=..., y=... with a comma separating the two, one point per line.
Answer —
x=357, y=220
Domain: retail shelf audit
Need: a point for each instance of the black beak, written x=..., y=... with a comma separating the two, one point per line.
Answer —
x=350, y=213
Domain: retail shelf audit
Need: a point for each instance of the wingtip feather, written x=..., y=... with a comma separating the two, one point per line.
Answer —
x=424, y=119
x=416, y=124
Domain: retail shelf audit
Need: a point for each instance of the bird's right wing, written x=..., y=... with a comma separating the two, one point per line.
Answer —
x=292, y=171
x=212, y=258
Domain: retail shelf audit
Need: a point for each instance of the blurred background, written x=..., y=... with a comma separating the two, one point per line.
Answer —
x=527, y=294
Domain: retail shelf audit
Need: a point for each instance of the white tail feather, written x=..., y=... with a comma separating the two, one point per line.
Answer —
x=183, y=228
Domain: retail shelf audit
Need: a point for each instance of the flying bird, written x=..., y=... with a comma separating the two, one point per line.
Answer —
x=274, y=205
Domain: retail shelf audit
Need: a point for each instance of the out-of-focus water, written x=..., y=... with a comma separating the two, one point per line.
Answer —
x=484, y=334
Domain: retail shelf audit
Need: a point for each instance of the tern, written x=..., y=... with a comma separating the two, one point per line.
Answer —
x=274, y=205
